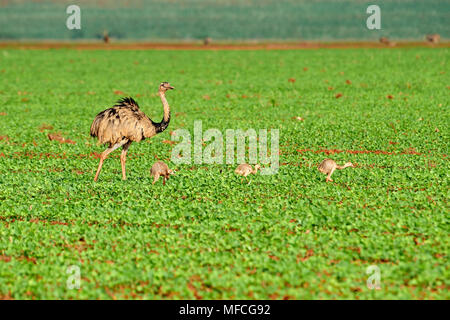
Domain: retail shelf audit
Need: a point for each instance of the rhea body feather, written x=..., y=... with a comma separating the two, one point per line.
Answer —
x=125, y=121
x=327, y=165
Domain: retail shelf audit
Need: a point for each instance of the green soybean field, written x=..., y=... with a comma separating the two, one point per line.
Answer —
x=379, y=230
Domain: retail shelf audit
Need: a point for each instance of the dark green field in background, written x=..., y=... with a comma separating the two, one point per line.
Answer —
x=208, y=233
x=284, y=20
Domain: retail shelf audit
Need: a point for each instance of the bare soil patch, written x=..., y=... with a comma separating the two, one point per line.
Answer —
x=216, y=46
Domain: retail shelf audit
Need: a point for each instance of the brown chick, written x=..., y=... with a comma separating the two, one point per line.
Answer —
x=433, y=38
x=328, y=166
x=246, y=169
x=160, y=169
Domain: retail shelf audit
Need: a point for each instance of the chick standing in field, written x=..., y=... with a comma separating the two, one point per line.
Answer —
x=328, y=166
x=160, y=169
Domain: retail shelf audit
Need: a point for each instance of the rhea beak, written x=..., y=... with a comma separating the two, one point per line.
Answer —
x=171, y=87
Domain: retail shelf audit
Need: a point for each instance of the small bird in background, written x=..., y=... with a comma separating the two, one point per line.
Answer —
x=433, y=38
x=246, y=169
x=207, y=41
x=105, y=37
x=328, y=166
x=387, y=42
x=384, y=40
x=158, y=169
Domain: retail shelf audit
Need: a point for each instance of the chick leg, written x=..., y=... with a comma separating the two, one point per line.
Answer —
x=329, y=175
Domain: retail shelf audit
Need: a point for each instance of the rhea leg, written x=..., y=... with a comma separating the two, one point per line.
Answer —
x=156, y=178
x=105, y=154
x=123, y=158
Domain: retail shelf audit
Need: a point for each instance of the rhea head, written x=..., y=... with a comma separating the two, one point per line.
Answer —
x=164, y=86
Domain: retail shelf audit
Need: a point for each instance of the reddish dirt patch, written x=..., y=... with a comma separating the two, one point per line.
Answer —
x=5, y=258
x=28, y=259
x=79, y=172
x=338, y=95
x=59, y=223
x=95, y=155
x=333, y=151
x=58, y=137
x=63, y=155
x=178, y=114
x=44, y=127
x=118, y=92
x=3, y=113
x=308, y=255
x=418, y=242
x=291, y=80
x=215, y=46
x=80, y=246
x=169, y=142
x=6, y=296
x=273, y=257
x=192, y=288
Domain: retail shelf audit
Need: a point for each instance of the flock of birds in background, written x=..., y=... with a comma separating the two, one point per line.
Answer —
x=430, y=38
x=125, y=123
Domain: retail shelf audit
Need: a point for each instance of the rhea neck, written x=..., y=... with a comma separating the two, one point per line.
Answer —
x=344, y=166
x=162, y=95
x=161, y=126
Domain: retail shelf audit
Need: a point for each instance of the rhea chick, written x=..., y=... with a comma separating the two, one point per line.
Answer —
x=160, y=169
x=328, y=166
x=246, y=169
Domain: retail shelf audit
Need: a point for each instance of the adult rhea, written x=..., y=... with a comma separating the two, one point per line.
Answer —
x=124, y=123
